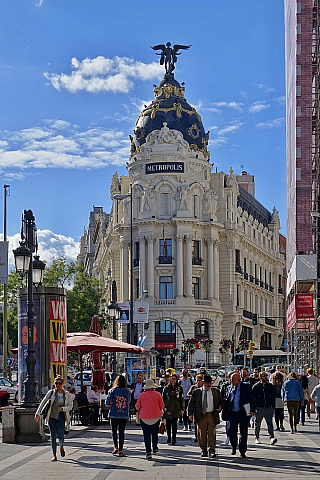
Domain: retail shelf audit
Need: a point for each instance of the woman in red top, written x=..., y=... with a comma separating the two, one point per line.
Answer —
x=150, y=405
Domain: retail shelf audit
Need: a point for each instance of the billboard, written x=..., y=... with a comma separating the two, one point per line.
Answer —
x=58, y=339
x=300, y=309
x=140, y=312
x=124, y=312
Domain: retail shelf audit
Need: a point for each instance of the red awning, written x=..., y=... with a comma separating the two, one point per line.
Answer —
x=86, y=342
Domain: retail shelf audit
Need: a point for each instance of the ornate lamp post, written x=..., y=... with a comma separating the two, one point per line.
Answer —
x=34, y=271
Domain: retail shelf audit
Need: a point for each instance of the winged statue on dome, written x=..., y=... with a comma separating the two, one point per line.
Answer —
x=168, y=55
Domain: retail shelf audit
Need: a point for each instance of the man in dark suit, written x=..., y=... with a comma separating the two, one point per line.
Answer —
x=204, y=406
x=238, y=408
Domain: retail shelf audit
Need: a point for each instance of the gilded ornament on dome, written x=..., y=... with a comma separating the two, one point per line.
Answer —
x=167, y=90
x=194, y=131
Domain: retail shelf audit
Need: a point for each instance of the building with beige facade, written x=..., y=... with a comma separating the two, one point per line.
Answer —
x=205, y=250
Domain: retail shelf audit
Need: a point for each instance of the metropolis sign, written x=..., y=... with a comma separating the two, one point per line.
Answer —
x=165, y=167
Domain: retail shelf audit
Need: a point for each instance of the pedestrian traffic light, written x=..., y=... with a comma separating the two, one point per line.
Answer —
x=254, y=319
x=252, y=346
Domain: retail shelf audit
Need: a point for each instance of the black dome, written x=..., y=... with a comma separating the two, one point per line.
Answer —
x=170, y=106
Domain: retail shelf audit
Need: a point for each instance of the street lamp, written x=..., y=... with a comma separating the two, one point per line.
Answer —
x=34, y=271
x=114, y=312
x=121, y=196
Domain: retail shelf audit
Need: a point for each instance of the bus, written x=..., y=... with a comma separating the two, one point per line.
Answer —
x=264, y=357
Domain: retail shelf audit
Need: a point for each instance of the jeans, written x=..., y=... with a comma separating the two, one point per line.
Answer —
x=267, y=414
x=303, y=412
x=186, y=420
x=56, y=427
x=150, y=432
x=293, y=411
x=318, y=412
x=173, y=423
x=279, y=416
x=115, y=424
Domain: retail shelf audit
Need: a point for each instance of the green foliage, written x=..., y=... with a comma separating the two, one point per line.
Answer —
x=83, y=302
x=60, y=273
x=14, y=282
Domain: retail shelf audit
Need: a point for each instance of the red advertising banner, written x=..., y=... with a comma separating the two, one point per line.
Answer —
x=58, y=339
x=301, y=308
x=165, y=345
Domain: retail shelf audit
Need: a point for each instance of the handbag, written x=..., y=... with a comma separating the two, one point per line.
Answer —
x=161, y=428
x=279, y=403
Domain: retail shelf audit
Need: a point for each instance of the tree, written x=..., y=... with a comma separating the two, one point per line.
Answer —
x=83, y=302
x=14, y=283
x=59, y=273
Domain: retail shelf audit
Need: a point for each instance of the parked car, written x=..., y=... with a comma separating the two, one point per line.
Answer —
x=217, y=380
x=86, y=380
x=6, y=385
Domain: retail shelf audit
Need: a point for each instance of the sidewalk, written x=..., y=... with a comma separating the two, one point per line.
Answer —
x=88, y=457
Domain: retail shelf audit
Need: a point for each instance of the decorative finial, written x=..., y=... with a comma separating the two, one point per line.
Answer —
x=168, y=56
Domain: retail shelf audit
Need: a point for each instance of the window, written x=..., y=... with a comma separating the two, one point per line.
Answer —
x=237, y=258
x=298, y=70
x=201, y=329
x=196, y=206
x=299, y=7
x=265, y=341
x=245, y=300
x=238, y=295
x=165, y=245
x=298, y=174
x=245, y=265
x=196, y=256
x=298, y=48
x=298, y=90
x=250, y=267
x=166, y=291
x=298, y=28
x=137, y=288
x=196, y=287
x=138, y=205
x=165, y=327
x=246, y=333
x=298, y=111
x=298, y=132
x=266, y=307
x=165, y=209
x=136, y=253
x=298, y=152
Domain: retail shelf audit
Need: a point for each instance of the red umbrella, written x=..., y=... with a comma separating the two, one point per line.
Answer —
x=87, y=342
x=97, y=367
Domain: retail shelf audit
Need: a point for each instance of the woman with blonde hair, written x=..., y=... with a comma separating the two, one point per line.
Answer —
x=57, y=404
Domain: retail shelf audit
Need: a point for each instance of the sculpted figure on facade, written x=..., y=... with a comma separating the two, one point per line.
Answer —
x=166, y=136
x=183, y=195
x=114, y=188
x=210, y=203
x=147, y=198
x=126, y=207
x=230, y=178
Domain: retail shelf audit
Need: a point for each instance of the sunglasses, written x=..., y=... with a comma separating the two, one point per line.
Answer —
x=59, y=383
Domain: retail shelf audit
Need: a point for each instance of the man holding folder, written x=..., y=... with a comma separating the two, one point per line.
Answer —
x=238, y=408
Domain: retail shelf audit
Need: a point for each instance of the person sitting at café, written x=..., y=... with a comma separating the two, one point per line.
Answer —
x=94, y=399
x=85, y=410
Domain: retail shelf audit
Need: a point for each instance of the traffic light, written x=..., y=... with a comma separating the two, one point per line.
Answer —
x=254, y=319
x=249, y=353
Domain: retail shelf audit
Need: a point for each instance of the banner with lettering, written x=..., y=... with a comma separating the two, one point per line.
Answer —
x=58, y=339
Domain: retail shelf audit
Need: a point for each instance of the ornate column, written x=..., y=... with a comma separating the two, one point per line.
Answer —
x=142, y=262
x=124, y=269
x=216, y=269
x=210, y=242
x=179, y=269
x=188, y=266
x=150, y=241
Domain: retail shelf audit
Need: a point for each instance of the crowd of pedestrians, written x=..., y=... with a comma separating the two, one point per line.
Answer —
x=244, y=400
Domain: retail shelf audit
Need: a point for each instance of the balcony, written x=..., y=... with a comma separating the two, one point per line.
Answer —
x=164, y=302
x=203, y=302
x=261, y=283
x=256, y=281
x=251, y=278
x=196, y=261
x=271, y=288
x=266, y=286
x=270, y=321
x=247, y=314
x=239, y=269
x=280, y=291
x=246, y=276
x=165, y=259
x=136, y=262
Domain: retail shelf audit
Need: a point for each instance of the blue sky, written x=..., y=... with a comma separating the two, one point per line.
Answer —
x=74, y=75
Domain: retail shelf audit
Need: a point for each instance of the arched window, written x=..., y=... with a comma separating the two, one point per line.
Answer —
x=165, y=207
x=201, y=329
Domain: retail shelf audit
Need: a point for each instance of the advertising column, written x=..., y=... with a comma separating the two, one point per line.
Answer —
x=58, y=339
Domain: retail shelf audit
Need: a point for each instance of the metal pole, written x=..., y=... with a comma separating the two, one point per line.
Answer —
x=131, y=268
x=5, y=292
x=114, y=331
x=31, y=397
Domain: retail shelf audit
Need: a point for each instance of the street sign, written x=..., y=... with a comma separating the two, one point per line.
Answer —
x=140, y=312
x=10, y=362
x=124, y=312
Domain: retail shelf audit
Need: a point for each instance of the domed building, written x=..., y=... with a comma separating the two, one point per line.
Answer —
x=205, y=253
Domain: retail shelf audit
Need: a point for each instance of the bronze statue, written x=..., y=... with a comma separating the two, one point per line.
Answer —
x=169, y=55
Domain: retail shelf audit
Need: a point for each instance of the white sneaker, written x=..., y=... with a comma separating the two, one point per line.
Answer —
x=184, y=429
x=257, y=442
x=227, y=441
x=273, y=440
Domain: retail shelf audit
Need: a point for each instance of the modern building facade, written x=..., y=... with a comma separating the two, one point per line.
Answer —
x=205, y=252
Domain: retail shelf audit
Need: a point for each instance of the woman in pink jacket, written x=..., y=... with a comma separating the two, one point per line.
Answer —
x=150, y=405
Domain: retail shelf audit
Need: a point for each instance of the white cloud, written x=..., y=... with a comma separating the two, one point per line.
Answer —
x=259, y=106
x=102, y=74
x=265, y=88
x=221, y=138
x=280, y=100
x=276, y=123
x=51, y=245
x=60, y=144
x=217, y=142
x=230, y=129
x=234, y=105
